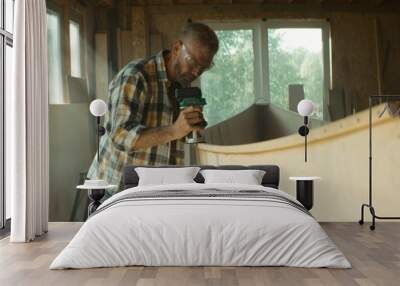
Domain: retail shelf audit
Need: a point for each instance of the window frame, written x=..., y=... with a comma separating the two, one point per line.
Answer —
x=77, y=17
x=3, y=18
x=57, y=10
x=6, y=39
x=2, y=125
x=322, y=24
x=70, y=21
x=256, y=27
x=261, y=61
x=66, y=14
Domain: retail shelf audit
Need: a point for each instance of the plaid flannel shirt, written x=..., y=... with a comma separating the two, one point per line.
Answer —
x=139, y=97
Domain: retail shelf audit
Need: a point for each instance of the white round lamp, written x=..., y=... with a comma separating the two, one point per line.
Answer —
x=98, y=107
x=305, y=107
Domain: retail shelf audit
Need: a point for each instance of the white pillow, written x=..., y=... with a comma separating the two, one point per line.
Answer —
x=248, y=177
x=162, y=176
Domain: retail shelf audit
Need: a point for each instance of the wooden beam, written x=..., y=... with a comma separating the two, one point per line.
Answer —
x=140, y=3
x=362, y=6
x=104, y=3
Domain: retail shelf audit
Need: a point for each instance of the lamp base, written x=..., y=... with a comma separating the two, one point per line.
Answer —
x=95, y=195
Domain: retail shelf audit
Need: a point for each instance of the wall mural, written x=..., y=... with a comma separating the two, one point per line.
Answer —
x=244, y=70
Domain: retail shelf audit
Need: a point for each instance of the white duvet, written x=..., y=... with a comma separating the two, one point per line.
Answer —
x=200, y=231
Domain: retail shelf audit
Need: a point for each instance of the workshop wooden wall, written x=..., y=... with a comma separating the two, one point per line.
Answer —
x=365, y=39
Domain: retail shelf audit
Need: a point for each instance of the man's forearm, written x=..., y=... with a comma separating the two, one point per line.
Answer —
x=155, y=136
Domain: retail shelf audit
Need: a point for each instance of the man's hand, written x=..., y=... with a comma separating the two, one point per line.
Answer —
x=189, y=120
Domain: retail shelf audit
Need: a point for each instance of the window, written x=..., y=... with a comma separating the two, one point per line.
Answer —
x=75, y=48
x=6, y=71
x=9, y=69
x=257, y=63
x=229, y=86
x=55, y=64
x=296, y=55
x=9, y=16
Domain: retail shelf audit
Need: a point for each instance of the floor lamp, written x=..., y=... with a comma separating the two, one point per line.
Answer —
x=305, y=108
x=98, y=108
x=394, y=110
x=96, y=187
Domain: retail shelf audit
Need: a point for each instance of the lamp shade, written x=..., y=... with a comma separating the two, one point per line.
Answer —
x=305, y=107
x=98, y=107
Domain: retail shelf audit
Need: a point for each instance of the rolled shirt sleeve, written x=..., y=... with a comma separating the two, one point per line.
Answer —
x=126, y=115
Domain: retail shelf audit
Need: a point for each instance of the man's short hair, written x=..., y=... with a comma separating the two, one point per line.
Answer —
x=201, y=34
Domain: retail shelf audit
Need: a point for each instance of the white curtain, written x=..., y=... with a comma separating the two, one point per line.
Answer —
x=27, y=142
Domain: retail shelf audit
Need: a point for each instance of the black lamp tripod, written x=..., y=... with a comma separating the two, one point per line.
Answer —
x=369, y=205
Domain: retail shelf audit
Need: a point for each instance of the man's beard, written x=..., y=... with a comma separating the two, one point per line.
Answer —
x=184, y=82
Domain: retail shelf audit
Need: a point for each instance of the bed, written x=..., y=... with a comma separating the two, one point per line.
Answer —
x=198, y=224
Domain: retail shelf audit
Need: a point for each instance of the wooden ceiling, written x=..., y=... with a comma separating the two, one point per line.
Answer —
x=337, y=3
x=267, y=2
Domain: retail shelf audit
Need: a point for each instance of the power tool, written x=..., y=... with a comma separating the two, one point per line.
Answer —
x=191, y=96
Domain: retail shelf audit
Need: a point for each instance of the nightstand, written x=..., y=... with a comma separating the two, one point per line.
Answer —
x=305, y=190
x=95, y=194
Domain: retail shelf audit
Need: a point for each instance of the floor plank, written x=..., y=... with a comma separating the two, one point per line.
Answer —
x=375, y=256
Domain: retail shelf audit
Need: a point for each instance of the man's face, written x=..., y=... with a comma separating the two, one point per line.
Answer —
x=191, y=61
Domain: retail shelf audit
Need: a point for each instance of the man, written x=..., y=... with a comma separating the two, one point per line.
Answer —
x=143, y=123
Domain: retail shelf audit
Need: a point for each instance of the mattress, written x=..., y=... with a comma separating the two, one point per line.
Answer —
x=201, y=225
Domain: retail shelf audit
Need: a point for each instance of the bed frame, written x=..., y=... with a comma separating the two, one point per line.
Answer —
x=130, y=178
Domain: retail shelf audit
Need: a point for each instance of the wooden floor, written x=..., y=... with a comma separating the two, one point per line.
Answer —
x=375, y=257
